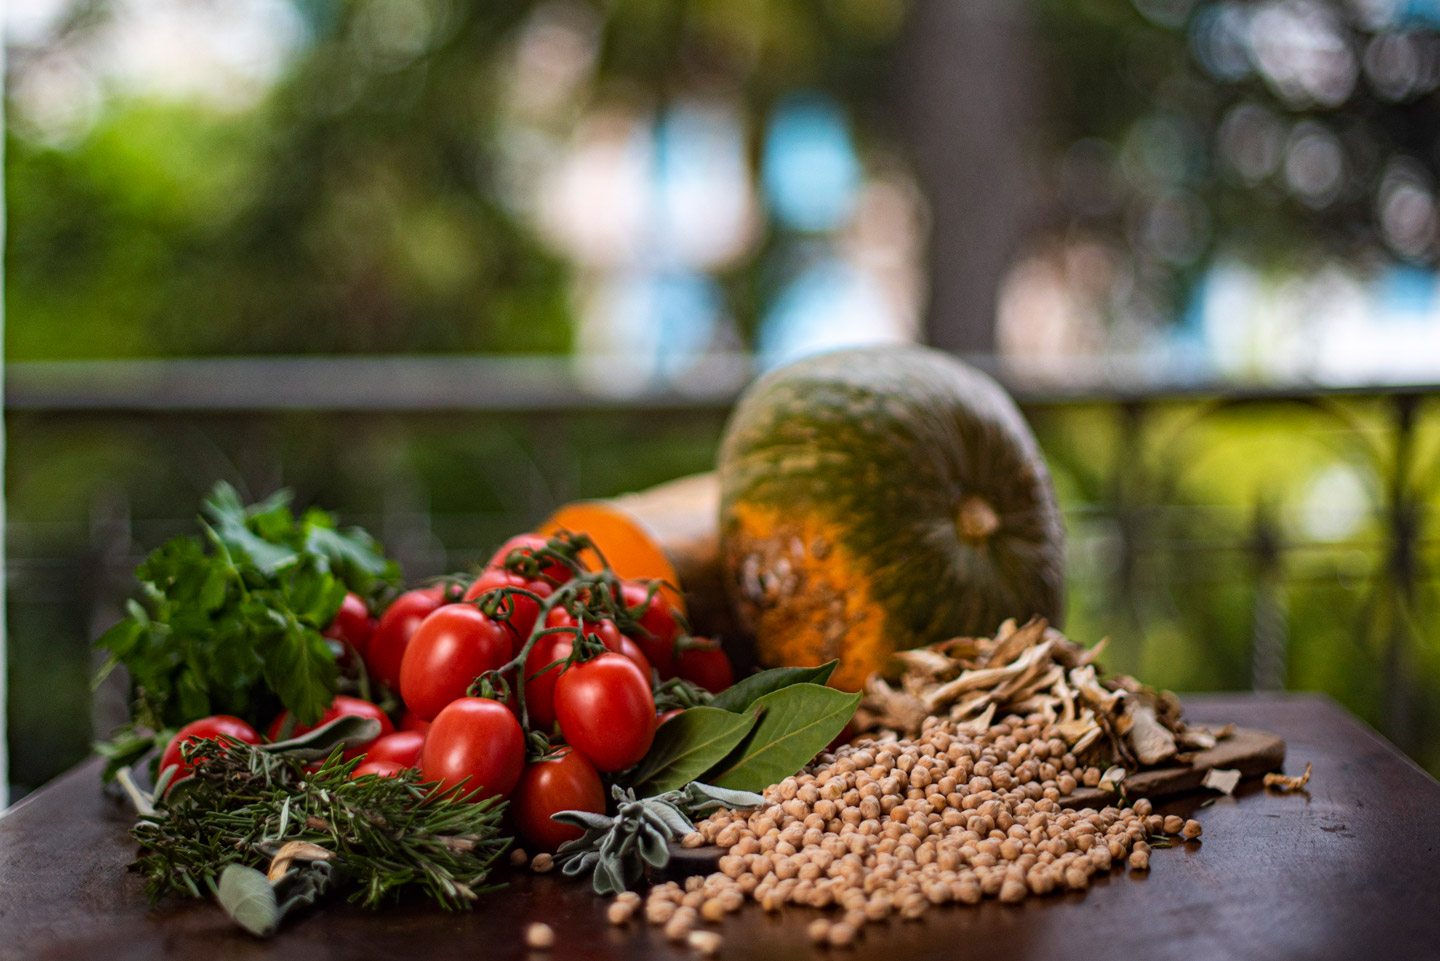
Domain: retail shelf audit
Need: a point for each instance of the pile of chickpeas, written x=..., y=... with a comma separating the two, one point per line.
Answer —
x=880, y=829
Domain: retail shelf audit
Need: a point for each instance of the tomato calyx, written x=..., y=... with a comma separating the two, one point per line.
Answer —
x=538, y=747
x=555, y=559
x=678, y=694
x=499, y=604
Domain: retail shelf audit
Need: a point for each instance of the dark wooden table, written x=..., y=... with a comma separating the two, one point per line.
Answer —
x=1344, y=870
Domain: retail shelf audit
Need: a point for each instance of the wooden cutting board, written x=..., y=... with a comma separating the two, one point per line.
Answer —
x=1248, y=751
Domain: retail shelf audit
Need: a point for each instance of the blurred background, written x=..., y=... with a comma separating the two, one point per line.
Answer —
x=442, y=266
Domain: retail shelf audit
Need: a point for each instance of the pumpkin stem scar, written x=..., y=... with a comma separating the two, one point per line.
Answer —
x=978, y=520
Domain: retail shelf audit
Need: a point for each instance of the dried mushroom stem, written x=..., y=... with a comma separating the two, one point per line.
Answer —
x=1281, y=782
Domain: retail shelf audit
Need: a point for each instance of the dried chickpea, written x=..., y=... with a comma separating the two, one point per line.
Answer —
x=705, y=943
x=539, y=936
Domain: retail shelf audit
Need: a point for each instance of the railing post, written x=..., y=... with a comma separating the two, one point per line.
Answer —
x=1403, y=519
x=1127, y=480
x=1270, y=630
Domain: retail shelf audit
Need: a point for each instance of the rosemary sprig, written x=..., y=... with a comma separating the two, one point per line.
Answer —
x=243, y=803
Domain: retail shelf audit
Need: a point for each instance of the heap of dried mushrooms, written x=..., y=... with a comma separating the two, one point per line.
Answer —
x=1033, y=669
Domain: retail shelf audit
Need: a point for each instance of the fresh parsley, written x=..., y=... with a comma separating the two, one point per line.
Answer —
x=230, y=621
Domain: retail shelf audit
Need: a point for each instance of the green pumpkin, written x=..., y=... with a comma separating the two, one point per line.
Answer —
x=878, y=499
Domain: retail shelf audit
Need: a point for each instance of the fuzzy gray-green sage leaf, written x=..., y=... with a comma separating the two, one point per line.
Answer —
x=615, y=850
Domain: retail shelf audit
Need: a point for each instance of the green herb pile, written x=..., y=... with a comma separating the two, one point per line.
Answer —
x=244, y=803
x=231, y=620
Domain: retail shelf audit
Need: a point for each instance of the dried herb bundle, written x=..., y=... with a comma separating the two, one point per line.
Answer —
x=1033, y=669
x=243, y=804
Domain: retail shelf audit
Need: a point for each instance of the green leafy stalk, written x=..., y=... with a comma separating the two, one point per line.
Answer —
x=230, y=622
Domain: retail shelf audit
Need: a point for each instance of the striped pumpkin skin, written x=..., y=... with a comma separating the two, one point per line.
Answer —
x=878, y=499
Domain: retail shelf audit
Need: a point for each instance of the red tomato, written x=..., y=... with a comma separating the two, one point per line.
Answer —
x=352, y=624
x=528, y=544
x=382, y=768
x=565, y=783
x=522, y=619
x=667, y=715
x=453, y=646
x=474, y=738
x=540, y=688
x=706, y=666
x=657, y=616
x=206, y=727
x=606, y=711
x=341, y=706
x=397, y=625
x=410, y=721
x=632, y=650
x=402, y=748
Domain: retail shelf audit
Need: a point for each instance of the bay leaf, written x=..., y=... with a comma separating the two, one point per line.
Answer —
x=688, y=745
x=745, y=692
x=796, y=723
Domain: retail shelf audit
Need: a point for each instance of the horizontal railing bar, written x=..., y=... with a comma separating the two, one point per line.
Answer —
x=540, y=384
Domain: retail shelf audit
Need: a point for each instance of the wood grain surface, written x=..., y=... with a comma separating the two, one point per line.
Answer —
x=1342, y=870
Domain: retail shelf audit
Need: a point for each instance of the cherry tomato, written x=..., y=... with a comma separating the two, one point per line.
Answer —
x=410, y=721
x=706, y=665
x=402, y=748
x=522, y=618
x=382, y=768
x=657, y=616
x=664, y=716
x=565, y=783
x=206, y=727
x=352, y=624
x=632, y=650
x=540, y=688
x=477, y=738
x=341, y=706
x=606, y=711
x=451, y=648
x=397, y=625
x=528, y=544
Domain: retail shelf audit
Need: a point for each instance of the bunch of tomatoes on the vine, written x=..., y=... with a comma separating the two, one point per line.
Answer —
x=528, y=683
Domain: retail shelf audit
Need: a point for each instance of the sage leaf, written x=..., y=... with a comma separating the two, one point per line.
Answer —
x=248, y=897
x=654, y=848
x=688, y=745
x=349, y=730
x=699, y=796
x=745, y=692
x=584, y=819
x=796, y=723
